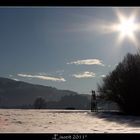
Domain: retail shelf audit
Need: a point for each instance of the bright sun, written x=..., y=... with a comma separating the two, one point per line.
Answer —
x=127, y=27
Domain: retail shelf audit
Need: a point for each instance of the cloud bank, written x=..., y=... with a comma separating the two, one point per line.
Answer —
x=85, y=74
x=88, y=62
x=42, y=77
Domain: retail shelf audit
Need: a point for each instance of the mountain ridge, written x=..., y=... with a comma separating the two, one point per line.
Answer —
x=14, y=92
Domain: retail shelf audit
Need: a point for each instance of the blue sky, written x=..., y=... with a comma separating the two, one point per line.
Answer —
x=62, y=47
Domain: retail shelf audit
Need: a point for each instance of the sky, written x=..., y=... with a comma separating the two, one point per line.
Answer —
x=70, y=48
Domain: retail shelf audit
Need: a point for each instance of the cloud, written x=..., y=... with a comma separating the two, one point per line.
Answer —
x=85, y=74
x=10, y=75
x=103, y=76
x=42, y=77
x=88, y=62
x=60, y=72
x=16, y=79
x=42, y=73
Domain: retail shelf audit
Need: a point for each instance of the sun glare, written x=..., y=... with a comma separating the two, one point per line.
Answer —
x=127, y=27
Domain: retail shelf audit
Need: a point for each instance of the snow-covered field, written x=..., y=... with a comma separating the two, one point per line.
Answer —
x=60, y=121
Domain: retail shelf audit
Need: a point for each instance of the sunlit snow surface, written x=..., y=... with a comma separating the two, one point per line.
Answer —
x=60, y=121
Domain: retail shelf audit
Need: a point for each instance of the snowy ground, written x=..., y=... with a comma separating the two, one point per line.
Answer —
x=48, y=121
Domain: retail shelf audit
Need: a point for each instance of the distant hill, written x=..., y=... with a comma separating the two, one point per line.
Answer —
x=17, y=93
x=78, y=101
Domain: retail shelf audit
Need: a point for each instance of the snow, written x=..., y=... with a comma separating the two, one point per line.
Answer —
x=65, y=121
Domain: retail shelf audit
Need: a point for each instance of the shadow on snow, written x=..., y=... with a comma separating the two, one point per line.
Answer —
x=118, y=117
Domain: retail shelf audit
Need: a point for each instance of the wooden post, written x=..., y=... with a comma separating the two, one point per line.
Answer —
x=93, y=101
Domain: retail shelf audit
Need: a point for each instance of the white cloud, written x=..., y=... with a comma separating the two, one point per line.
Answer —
x=60, y=72
x=85, y=74
x=16, y=79
x=42, y=73
x=88, y=62
x=10, y=75
x=42, y=77
x=103, y=76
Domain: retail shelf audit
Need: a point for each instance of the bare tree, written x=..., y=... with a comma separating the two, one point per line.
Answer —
x=39, y=103
x=122, y=85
